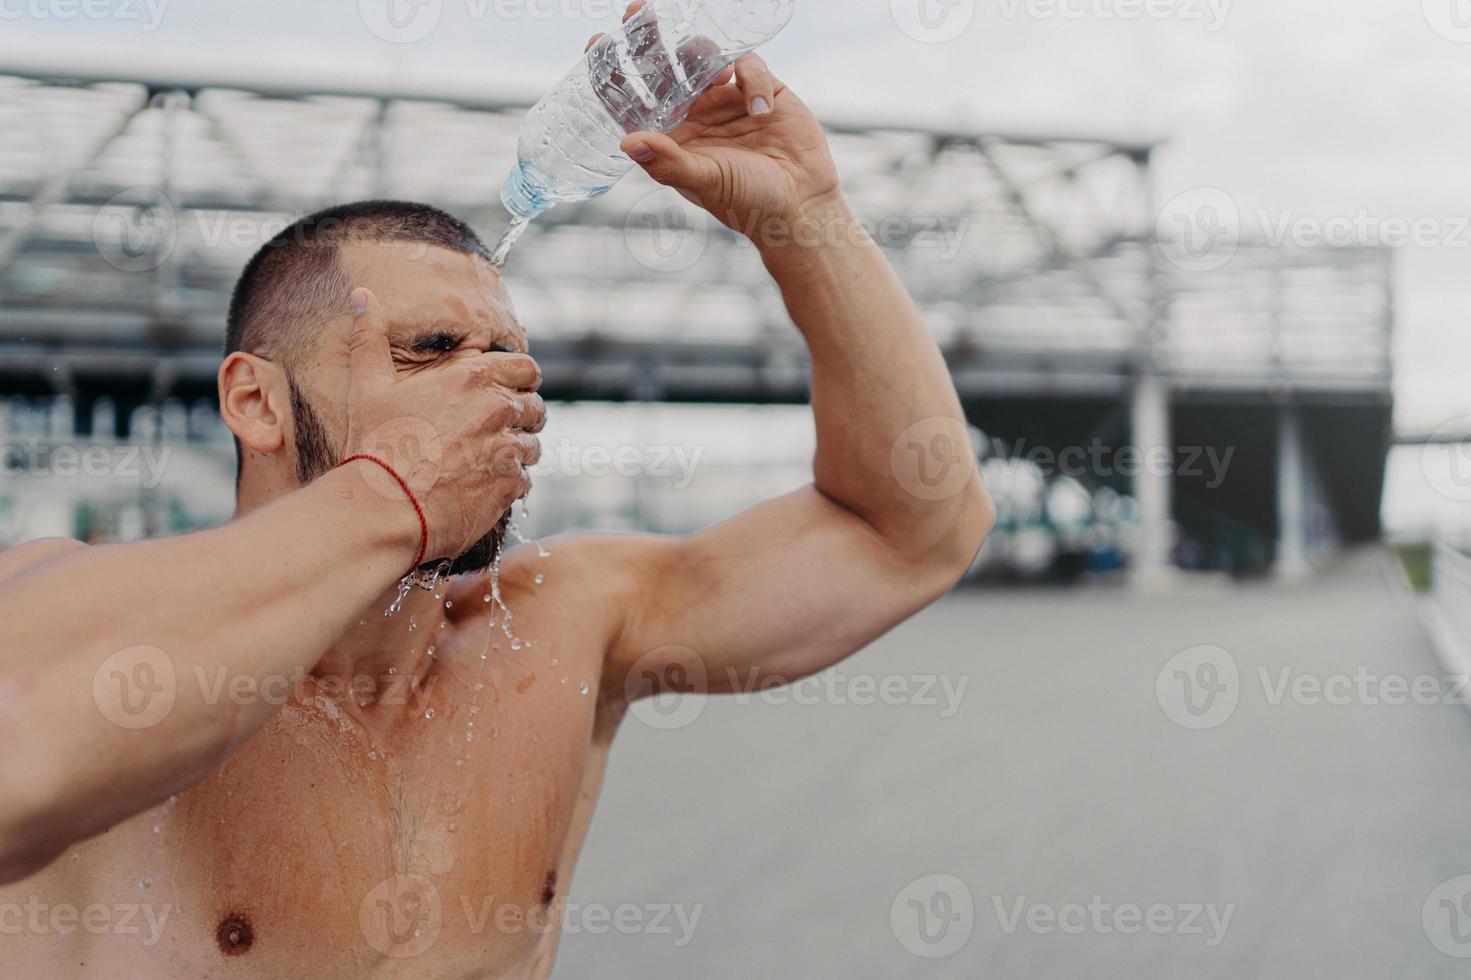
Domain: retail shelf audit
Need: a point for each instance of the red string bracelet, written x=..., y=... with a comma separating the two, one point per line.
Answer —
x=423, y=521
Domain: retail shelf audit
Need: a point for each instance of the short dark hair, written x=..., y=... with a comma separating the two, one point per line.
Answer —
x=295, y=283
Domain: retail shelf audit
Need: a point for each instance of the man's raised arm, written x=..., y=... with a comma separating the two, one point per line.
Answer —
x=897, y=509
x=100, y=648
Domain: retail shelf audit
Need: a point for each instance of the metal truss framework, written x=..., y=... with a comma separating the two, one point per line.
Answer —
x=127, y=208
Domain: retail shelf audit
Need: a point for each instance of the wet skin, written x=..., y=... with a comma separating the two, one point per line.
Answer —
x=351, y=840
x=353, y=836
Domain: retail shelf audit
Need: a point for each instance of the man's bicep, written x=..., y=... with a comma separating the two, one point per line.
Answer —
x=780, y=592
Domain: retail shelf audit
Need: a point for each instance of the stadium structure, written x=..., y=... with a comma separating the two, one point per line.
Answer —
x=1082, y=318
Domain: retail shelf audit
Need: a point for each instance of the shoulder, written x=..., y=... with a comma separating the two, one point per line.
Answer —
x=597, y=579
x=23, y=557
x=592, y=563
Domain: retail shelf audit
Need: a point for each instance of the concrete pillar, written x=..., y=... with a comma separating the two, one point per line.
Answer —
x=1292, y=496
x=1153, y=484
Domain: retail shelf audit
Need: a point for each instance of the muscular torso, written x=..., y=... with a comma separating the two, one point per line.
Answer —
x=344, y=841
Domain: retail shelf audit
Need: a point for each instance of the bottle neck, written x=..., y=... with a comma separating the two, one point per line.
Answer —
x=522, y=196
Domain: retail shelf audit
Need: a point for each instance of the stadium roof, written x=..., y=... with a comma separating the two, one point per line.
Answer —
x=128, y=204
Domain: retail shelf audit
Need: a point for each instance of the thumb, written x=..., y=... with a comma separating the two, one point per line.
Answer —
x=667, y=162
x=368, y=349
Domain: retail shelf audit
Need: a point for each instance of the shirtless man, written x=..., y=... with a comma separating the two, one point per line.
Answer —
x=225, y=761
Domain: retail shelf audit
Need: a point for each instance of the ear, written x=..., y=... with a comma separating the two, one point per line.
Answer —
x=254, y=402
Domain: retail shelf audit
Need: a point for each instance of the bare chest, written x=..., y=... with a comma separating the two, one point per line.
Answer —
x=435, y=846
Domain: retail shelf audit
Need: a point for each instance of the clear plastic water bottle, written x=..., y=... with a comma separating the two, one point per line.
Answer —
x=644, y=77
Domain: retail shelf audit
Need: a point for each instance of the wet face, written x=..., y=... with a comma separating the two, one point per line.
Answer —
x=441, y=305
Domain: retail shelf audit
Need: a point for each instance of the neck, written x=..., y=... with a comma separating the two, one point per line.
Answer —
x=378, y=648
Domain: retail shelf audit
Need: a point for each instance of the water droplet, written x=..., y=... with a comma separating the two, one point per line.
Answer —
x=564, y=679
x=393, y=670
x=76, y=856
x=515, y=644
x=430, y=651
x=429, y=713
x=556, y=662
x=539, y=579
x=412, y=625
x=448, y=604
x=582, y=687
x=489, y=599
x=157, y=829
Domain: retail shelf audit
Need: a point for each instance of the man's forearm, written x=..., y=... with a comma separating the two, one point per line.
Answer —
x=121, y=666
x=878, y=381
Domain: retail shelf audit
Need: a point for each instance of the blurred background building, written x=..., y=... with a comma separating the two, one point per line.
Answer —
x=1144, y=393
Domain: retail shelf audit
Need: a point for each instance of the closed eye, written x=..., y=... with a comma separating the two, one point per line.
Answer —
x=441, y=343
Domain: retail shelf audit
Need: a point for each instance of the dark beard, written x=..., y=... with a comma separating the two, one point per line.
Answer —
x=316, y=455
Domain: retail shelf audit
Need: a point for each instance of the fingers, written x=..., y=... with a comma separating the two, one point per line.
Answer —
x=721, y=104
x=757, y=84
x=511, y=455
x=528, y=449
x=518, y=372
x=528, y=414
x=369, y=354
x=667, y=162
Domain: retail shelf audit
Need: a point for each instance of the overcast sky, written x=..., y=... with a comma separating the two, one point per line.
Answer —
x=1306, y=108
